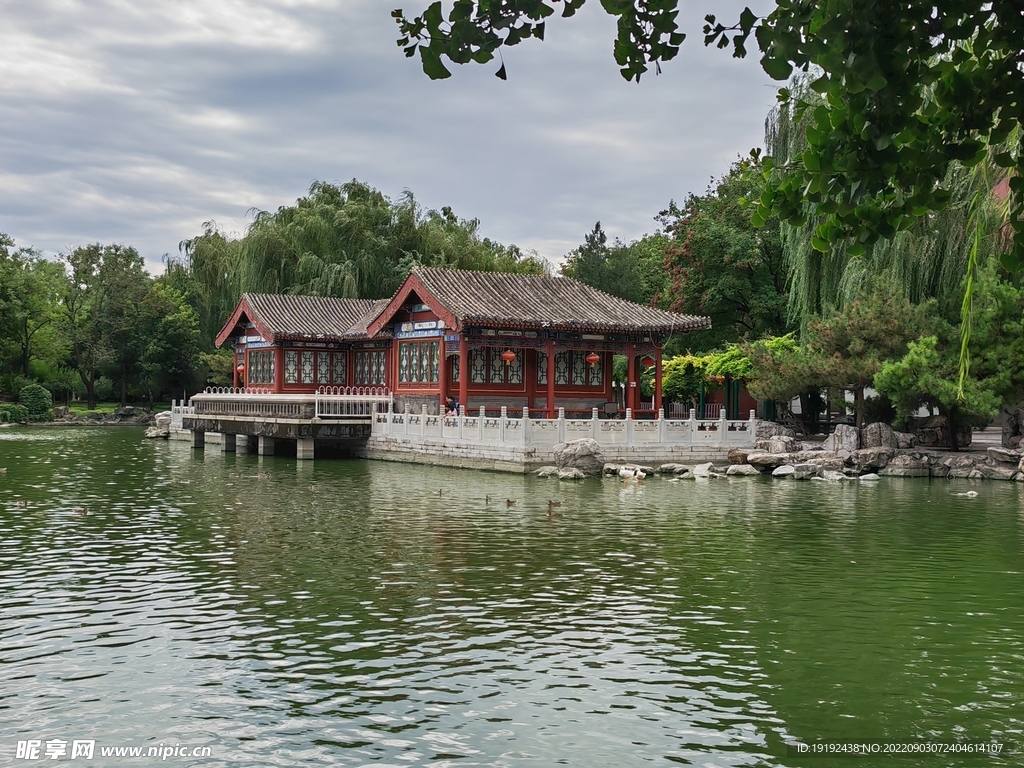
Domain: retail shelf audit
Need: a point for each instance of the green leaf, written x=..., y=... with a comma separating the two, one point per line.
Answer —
x=432, y=66
x=1012, y=261
x=776, y=69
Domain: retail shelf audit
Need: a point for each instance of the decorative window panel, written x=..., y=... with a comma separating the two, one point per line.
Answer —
x=369, y=368
x=377, y=374
x=291, y=366
x=542, y=368
x=562, y=367
x=453, y=366
x=323, y=367
x=307, y=367
x=435, y=368
x=340, y=373
x=403, y=363
x=597, y=373
x=414, y=362
x=515, y=369
x=261, y=367
x=478, y=366
x=579, y=369
x=497, y=367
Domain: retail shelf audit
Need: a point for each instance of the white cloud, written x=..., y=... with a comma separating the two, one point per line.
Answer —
x=136, y=122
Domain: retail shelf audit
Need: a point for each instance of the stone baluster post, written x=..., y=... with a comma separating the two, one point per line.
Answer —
x=391, y=416
x=661, y=425
x=629, y=426
x=693, y=426
x=480, y=423
x=407, y=418
x=723, y=428
x=561, y=425
x=462, y=415
x=595, y=425
x=501, y=424
x=423, y=421
x=525, y=425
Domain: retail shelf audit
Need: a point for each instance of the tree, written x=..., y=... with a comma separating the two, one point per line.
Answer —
x=909, y=88
x=608, y=268
x=28, y=289
x=720, y=266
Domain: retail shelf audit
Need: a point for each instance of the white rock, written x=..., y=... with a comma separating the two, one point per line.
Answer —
x=870, y=476
x=703, y=470
x=741, y=470
x=786, y=470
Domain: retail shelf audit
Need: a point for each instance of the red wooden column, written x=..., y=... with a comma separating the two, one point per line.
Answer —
x=278, y=369
x=657, y=379
x=551, y=379
x=631, y=384
x=463, y=371
x=442, y=378
x=234, y=367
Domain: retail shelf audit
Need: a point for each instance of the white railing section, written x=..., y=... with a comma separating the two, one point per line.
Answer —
x=352, y=402
x=179, y=410
x=527, y=431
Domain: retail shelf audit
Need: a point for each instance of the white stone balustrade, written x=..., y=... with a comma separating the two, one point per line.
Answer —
x=545, y=433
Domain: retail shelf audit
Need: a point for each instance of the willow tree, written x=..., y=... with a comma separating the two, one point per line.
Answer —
x=346, y=241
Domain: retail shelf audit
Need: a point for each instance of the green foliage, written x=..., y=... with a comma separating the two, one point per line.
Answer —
x=610, y=269
x=928, y=376
x=11, y=413
x=37, y=400
x=906, y=90
x=683, y=376
x=720, y=265
x=220, y=366
x=347, y=240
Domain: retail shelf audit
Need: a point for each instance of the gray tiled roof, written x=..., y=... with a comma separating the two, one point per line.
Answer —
x=313, y=317
x=493, y=299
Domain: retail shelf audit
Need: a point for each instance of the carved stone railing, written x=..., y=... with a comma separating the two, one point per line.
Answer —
x=352, y=402
x=526, y=431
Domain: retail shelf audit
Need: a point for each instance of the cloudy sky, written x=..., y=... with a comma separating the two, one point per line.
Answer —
x=135, y=121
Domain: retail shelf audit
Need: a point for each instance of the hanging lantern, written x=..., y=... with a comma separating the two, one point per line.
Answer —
x=240, y=369
x=508, y=356
x=593, y=359
x=647, y=361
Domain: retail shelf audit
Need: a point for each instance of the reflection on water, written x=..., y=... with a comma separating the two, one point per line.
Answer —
x=357, y=613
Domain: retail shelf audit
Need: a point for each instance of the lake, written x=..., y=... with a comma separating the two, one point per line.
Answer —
x=367, y=613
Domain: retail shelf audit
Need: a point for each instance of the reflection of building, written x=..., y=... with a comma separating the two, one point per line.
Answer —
x=489, y=339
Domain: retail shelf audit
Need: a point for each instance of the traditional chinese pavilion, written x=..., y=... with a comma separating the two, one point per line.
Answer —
x=489, y=339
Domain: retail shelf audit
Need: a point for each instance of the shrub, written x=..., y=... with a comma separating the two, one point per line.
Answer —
x=37, y=401
x=13, y=412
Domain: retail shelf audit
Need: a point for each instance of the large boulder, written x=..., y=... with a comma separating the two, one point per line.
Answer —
x=991, y=470
x=704, y=470
x=547, y=471
x=766, y=461
x=806, y=471
x=162, y=419
x=60, y=412
x=158, y=433
x=906, y=465
x=740, y=470
x=1004, y=455
x=766, y=429
x=871, y=459
x=845, y=438
x=584, y=455
x=905, y=440
x=829, y=461
x=878, y=435
x=570, y=473
x=738, y=455
x=778, y=444
x=786, y=470
x=960, y=465
x=933, y=432
x=672, y=469
x=1013, y=425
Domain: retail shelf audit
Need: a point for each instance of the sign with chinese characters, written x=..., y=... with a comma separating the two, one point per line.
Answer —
x=423, y=328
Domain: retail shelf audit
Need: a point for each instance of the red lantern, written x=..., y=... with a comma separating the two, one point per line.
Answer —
x=240, y=369
x=508, y=356
x=593, y=359
x=647, y=361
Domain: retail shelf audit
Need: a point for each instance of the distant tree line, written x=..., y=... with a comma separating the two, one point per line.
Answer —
x=94, y=324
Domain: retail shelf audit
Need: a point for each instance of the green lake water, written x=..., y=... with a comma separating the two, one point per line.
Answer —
x=366, y=613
